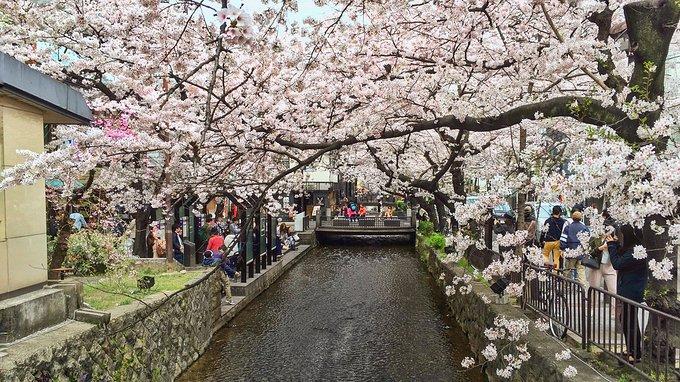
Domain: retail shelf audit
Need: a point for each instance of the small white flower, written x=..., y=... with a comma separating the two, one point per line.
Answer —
x=542, y=324
x=570, y=372
x=228, y=14
x=639, y=252
x=563, y=355
x=504, y=373
x=490, y=352
x=661, y=270
x=467, y=362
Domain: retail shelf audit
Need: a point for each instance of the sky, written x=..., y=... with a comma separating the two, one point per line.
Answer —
x=306, y=8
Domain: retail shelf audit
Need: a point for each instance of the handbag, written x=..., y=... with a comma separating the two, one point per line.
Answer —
x=593, y=259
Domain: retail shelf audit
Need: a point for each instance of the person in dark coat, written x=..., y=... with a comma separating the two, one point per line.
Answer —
x=177, y=245
x=631, y=283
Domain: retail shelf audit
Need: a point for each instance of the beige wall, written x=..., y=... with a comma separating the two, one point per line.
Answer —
x=23, y=240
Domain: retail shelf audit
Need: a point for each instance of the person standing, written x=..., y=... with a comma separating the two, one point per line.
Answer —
x=550, y=237
x=204, y=233
x=281, y=236
x=606, y=270
x=570, y=240
x=631, y=283
x=177, y=244
x=529, y=225
x=234, y=229
x=151, y=238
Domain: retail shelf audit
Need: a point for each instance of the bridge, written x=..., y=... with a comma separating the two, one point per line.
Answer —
x=368, y=225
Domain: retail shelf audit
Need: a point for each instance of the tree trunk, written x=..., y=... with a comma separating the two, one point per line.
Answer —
x=429, y=208
x=661, y=295
x=63, y=234
x=169, y=223
x=441, y=215
x=142, y=220
x=458, y=180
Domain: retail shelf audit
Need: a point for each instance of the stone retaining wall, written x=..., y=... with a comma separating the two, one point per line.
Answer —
x=154, y=341
x=474, y=316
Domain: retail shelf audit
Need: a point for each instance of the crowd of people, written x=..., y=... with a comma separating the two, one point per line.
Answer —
x=354, y=211
x=608, y=261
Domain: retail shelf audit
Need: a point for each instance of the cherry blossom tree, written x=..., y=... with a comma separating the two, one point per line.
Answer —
x=593, y=71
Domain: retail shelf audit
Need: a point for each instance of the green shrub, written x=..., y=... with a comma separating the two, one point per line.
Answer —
x=400, y=205
x=92, y=253
x=436, y=241
x=426, y=228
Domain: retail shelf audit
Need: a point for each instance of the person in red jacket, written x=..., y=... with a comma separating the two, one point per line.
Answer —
x=216, y=240
x=362, y=211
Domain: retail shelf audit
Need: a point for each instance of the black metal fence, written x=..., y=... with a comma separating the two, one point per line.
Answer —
x=645, y=339
x=556, y=297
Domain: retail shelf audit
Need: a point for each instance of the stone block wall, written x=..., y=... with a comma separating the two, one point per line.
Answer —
x=151, y=341
x=474, y=316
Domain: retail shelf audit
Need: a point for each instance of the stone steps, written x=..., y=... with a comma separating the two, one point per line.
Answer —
x=31, y=312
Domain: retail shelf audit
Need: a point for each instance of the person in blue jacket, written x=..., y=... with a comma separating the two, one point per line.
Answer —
x=631, y=283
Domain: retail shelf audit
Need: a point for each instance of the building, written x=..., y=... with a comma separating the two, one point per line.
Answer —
x=324, y=186
x=28, y=101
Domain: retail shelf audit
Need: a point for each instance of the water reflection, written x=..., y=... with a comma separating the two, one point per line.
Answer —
x=344, y=313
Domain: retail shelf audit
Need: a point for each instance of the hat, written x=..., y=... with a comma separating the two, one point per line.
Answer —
x=527, y=208
x=577, y=215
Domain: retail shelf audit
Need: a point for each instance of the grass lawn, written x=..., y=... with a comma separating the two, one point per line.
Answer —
x=110, y=292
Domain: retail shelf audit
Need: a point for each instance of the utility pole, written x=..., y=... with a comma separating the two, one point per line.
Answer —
x=521, y=195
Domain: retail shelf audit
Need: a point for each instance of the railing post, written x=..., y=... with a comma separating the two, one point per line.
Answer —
x=277, y=243
x=249, y=247
x=257, y=241
x=242, y=247
x=267, y=241
x=587, y=316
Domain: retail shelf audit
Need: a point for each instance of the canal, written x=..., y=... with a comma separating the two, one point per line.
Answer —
x=364, y=312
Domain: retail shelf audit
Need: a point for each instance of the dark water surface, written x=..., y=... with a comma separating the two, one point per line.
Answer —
x=344, y=313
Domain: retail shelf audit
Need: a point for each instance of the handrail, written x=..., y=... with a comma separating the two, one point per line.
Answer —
x=643, y=331
x=558, y=298
x=599, y=318
x=368, y=222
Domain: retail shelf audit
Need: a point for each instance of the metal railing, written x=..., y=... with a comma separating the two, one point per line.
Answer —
x=368, y=222
x=645, y=339
x=618, y=326
x=558, y=298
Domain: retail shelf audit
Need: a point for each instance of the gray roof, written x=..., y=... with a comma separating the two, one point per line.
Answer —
x=60, y=102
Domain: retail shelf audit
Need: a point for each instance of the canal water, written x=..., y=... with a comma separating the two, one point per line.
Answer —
x=344, y=313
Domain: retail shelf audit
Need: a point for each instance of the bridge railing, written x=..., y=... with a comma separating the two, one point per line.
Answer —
x=366, y=222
